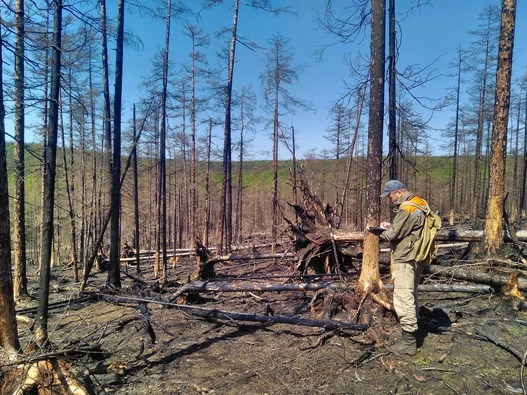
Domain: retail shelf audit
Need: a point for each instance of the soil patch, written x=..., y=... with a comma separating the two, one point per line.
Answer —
x=199, y=356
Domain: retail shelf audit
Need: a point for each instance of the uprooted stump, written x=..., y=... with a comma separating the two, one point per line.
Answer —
x=316, y=242
x=204, y=265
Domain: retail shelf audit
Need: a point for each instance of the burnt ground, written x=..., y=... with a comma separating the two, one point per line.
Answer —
x=192, y=355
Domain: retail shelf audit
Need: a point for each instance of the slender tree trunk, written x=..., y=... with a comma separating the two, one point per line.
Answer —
x=107, y=124
x=524, y=173
x=207, y=189
x=454, y=160
x=8, y=327
x=494, y=222
x=360, y=99
x=392, y=132
x=69, y=192
x=162, y=148
x=476, y=202
x=20, y=280
x=370, y=276
x=114, y=276
x=41, y=323
x=226, y=192
x=515, y=194
x=136, y=198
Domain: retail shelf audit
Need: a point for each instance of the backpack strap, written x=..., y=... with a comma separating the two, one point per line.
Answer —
x=424, y=208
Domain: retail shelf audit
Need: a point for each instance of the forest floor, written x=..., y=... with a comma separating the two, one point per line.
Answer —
x=192, y=355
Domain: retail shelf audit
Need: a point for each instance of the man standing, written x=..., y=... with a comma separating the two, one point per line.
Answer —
x=406, y=273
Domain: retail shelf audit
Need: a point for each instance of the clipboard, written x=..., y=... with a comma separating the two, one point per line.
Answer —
x=376, y=229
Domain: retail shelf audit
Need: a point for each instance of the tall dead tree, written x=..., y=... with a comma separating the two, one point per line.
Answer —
x=8, y=327
x=485, y=45
x=114, y=276
x=162, y=150
x=456, y=135
x=524, y=172
x=369, y=276
x=41, y=323
x=494, y=221
x=392, y=127
x=226, y=189
x=20, y=280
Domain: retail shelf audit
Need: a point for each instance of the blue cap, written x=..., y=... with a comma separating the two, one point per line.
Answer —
x=392, y=185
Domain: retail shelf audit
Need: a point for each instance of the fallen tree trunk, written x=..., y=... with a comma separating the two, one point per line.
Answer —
x=230, y=315
x=343, y=236
x=492, y=279
x=204, y=286
x=250, y=257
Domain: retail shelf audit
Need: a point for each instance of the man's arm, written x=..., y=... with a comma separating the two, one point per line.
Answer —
x=401, y=227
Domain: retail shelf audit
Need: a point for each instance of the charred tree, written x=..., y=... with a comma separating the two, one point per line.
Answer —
x=114, y=276
x=8, y=327
x=41, y=323
x=494, y=221
x=20, y=283
x=370, y=278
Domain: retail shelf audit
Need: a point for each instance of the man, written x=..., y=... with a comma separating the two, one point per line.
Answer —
x=406, y=273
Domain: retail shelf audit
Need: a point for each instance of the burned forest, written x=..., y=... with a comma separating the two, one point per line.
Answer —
x=177, y=217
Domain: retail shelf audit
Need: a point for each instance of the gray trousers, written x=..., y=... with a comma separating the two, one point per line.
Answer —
x=406, y=278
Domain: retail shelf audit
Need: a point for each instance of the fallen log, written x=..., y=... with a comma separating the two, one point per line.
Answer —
x=467, y=288
x=344, y=236
x=493, y=279
x=204, y=286
x=230, y=315
x=250, y=257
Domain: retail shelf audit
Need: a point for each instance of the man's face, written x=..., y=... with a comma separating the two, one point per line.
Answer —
x=394, y=196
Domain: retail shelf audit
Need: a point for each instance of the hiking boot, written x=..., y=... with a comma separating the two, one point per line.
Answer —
x=406, y=346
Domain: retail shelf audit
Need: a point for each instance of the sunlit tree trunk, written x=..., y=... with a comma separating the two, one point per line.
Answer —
x=8, y=327
x=515, y=182
x=41, y=322
x=206, y=224
x=136, y=198
x=392, y=133
x=494, y=221
x=524, y=172
x=456, y=134
x=69, y=192
x=162, y=150
x=370, y=277
x=226, y=190
x=20, y=279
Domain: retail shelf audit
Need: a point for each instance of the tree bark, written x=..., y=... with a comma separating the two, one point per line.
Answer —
x=114, y=276
x=229, y=315
x=41, y=323
x=370, y=277
x=8, y=326
x=226, y=191
x=20, y=279
x=494, y=221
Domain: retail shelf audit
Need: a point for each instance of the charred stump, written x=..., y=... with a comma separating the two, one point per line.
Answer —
x=312, y=235
x=204, y=263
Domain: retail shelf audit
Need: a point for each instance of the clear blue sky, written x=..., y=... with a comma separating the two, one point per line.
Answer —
x=430, y=33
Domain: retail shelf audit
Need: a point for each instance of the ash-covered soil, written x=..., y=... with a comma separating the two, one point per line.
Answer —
x=193, y=355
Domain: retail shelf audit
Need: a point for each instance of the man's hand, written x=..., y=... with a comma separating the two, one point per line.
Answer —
x=386, y=225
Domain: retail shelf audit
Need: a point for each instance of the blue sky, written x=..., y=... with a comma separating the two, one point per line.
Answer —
x=428, y=34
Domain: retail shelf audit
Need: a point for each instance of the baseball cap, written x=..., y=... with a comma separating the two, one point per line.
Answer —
x=392, y=185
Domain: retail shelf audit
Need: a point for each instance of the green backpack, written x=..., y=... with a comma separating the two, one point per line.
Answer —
x=425, y=248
